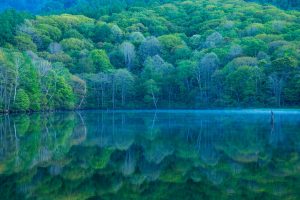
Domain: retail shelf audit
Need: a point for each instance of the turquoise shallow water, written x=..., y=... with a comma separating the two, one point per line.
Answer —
x=185, y=154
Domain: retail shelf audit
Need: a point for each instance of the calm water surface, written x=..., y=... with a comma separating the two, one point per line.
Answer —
x=151, y=155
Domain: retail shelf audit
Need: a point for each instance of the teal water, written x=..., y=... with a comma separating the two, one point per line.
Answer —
x=237, y=154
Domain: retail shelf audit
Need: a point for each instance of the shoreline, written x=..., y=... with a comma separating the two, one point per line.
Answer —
x=212, y=109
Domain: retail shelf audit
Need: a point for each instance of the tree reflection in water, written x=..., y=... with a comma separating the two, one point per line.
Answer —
x=150, y=155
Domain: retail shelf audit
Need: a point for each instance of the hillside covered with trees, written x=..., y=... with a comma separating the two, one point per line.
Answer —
x=154, y=54
x=96, y=7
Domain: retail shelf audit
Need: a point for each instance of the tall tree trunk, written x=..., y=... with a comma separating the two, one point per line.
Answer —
x=102, y=96
x=113, y=92
x=123, y=95
x=154, y=99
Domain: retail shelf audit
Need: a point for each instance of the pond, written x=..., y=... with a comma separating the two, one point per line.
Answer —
x=228, y=154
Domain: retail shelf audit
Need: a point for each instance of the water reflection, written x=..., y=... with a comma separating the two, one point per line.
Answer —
x=150, y=155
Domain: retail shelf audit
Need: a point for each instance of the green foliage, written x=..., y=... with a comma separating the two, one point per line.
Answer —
x=24, y=42
x=100, y=60
x=102, y=32
x=243, y=84
x=252, y=46
x=10, y=19
x=284, y=65
x=100, y=161
x=63, y=97
x=191, y=53
x=22, y=101
x=75, y=44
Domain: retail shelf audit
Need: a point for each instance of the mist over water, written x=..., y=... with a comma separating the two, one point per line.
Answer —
x=186, y=154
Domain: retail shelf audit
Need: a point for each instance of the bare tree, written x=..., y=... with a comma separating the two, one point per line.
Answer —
x=117, y=32
x=124, y=82
x=206, y=67
x=113, y=86
x=18, y=64
x=129, y=54
x=100, y=84
x=7, y=84
x=276, y=84
x=80, y=89
x=47, y=77
x=235, y=51
x=55, y=48
x=150, y=47
x=213, y=40
x=136, y=37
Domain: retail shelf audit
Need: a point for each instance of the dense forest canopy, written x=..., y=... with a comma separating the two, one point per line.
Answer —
x=151, y=54
x=94, y=7
x=286, y=4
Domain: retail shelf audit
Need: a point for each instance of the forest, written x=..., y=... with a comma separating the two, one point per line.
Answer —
x=94, y=7
x=65, y=55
